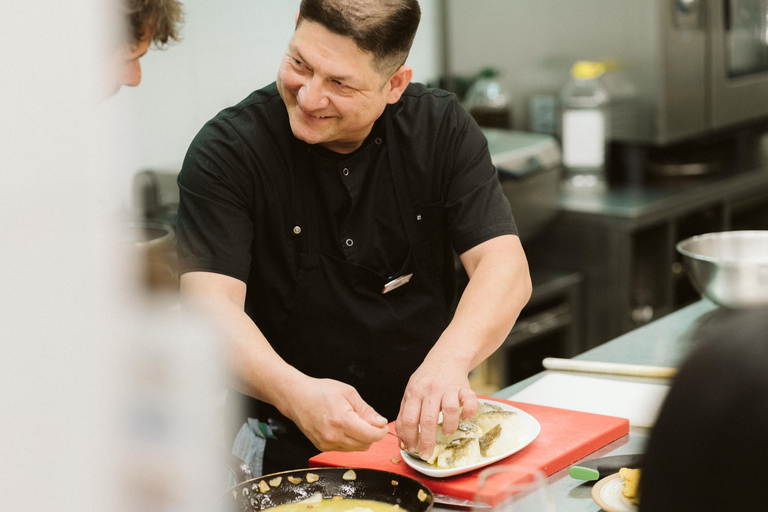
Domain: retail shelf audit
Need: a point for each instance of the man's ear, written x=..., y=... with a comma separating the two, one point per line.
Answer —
x=398, y=82
x=296, y=19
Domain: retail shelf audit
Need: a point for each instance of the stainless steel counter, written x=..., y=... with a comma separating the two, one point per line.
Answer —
x=664, y=342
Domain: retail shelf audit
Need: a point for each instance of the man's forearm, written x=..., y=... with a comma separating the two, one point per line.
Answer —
x=498, y=289
x=257, y=370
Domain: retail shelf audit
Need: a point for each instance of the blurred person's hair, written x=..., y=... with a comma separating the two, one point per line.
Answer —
x=383, y=28
x=160, y=19
x=708, y=450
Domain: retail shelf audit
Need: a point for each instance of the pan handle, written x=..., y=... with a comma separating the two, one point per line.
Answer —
x=238, y=467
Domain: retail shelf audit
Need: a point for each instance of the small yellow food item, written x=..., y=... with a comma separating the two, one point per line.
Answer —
x=631, y=482
x=276, y=481
x=395, y=482
x=263, y=486
x=312, y=477
x=422, y=495
x=294, y=480
x=349, y=475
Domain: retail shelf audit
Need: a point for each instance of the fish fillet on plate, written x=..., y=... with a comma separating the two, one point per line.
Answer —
x=496, y=431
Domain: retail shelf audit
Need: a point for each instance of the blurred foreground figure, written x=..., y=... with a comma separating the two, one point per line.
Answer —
x=147, y=22
x=709, y=447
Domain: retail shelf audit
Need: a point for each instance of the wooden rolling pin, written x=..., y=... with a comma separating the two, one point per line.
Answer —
x=632, y=370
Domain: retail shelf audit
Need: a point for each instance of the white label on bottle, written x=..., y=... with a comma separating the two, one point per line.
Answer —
x=583, y=138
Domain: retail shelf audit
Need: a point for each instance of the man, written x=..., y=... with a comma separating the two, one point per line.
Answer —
x=316, y=220
x=146, y=21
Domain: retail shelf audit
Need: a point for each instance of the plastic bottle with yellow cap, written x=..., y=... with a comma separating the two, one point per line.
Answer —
x=585, y=128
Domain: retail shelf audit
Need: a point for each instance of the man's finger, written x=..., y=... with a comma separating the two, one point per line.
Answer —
x=468, y=400
x=451, y=409
x=430, y=412
x=407, y=425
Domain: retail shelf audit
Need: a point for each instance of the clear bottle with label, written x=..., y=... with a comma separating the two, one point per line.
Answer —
x=584, y=128
x=488, y=102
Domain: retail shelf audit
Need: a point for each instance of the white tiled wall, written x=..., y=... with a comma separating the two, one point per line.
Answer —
x=229, y=48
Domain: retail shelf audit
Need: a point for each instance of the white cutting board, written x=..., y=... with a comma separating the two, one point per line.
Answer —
x=631, y=398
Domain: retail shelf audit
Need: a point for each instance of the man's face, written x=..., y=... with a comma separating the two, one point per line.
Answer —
x=126, y=69
x=332, y=93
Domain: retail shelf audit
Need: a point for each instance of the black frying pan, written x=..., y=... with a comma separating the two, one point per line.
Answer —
x=266, y=491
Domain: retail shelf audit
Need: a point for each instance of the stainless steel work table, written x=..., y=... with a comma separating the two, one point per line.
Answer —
x=664, y=342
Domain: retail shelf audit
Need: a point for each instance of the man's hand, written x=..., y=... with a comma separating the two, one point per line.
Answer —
x=334, y=416
x=499, y=286
x=434, y=387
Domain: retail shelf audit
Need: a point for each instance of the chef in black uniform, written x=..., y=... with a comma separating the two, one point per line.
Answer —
x=317, y=223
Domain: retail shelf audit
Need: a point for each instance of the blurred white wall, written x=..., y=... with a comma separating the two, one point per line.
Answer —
x=56, y=312
x=107, y=402
x=229, y=49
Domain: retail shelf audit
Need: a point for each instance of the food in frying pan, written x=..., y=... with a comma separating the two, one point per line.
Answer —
x=491, y=432
x=317, y=503
x=631, y=482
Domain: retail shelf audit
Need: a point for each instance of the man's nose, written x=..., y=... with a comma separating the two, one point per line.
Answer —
x=312, y=95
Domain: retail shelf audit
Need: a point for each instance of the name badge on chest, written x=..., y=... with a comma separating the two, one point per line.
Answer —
x=396, y=283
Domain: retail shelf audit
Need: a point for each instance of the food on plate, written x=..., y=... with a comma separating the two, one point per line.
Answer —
x=631, y=482
x=498, y=440
x=489, y=415
x=460, y=452
x=491, y=432
x=465, y=429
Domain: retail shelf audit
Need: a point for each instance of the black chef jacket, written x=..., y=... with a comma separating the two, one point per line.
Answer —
x=237, y=197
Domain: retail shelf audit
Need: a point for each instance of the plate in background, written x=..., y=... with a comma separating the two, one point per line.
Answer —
x=608, y=494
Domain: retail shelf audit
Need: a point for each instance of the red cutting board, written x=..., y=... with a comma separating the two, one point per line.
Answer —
x=566, y=436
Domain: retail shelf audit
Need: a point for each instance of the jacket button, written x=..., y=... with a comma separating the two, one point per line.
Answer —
x=349, y=242
x=345, y=172
x=297, y=229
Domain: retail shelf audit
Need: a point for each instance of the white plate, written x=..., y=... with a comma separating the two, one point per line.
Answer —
x=608, y=494
x=532, y=429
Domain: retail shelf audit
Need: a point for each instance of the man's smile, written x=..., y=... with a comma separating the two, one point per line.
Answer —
x=312, y=115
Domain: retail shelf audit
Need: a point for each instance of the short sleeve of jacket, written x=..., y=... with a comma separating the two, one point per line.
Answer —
x=215, y=226
x=444, y=143
x=475, y=205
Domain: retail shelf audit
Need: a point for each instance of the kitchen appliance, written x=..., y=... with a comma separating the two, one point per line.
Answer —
x=681, y=68
x=729, y=268
x=529, y=167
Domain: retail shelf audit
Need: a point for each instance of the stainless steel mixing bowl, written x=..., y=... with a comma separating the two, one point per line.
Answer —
x=728, y=268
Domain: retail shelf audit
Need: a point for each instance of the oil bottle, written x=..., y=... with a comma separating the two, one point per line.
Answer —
x=584, y=128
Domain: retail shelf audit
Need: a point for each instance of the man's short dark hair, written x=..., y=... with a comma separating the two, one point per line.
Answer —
x=383, y=28
x=159, y=19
